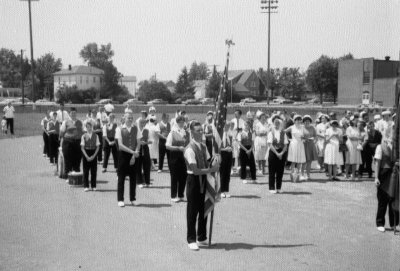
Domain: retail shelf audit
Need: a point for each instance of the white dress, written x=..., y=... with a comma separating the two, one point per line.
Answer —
x=296, y=148
x=153, y=137
x=260, y=142
x=332, y=154
x=321, y=130
x=353, y=156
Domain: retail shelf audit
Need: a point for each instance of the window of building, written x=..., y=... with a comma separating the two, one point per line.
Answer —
x=80, y=79
x=366, y=77
x=87, y=79
x=94, y=79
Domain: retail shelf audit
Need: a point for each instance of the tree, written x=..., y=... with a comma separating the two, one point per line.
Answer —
x=183, y=87
x=274, y=84
x=150, y=90
x=292, y=83
x=46, y=65
x=11, y=71
x=213, y=84
x=198, y=72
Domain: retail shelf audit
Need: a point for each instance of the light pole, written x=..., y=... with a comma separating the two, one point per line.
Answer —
x=22, y=77
x=268, y=6
x=32, y=61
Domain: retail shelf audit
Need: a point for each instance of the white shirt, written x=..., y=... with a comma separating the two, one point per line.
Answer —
x=90, y=135
x=62, y=116
x=378, y=152
x=182, y=132
x=9, y=111
x=190, y=156
x=235, y=122
x=106, y=127
x=109, y=107
x=277, y=134
x=118, y=134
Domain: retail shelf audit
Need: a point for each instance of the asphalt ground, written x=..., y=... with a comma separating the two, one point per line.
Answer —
x=47, y=225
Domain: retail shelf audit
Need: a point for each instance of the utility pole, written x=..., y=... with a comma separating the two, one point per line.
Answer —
x=22, y=77
x=268, y=6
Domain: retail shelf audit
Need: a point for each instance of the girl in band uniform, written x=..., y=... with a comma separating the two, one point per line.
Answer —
x=226, y=162
x=53, y=129
x=246, y=155
x=90, y=146
x=110, y=142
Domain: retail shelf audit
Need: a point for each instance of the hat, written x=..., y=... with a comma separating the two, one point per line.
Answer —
x=334, y=122
x=307, y=117
x=274, y=117
x=324, y=116
x=249, y=115
x=210, y=113
x=259, y=114
x=152, y=108
x=143, y=111
x=295, y=117
x=386, y=112
x=377, y=117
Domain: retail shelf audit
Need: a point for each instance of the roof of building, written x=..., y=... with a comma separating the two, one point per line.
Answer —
x=128, y=79
x=80, y=70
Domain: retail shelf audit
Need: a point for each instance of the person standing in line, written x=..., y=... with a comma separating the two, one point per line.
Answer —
x=109, y=108
x=310, y=136
x=321, y=130
x=152, y=114
x=4, y=125
x=232, y=134
x=226, y=162
x=165, y=128
x=45, y=135
x=296, y=153
x=177, y=140
x=196, y=157
x=173, y=120
x=153, y=138
x=98, y=129
x=208, y=131
x=353, y=158
x=277, y=142
x=9, y=114
x=71, y=132
x=333, y=136
x=53, y=129
x=128, y=137
x=110, y=145
x=143, y=162
x=143, y=116
x=62, y=114
x=90, y=145
x=246, y=155
x=238, y=125
x=372, y=139
x=261, y=130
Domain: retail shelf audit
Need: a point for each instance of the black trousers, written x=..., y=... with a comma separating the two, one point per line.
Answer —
x=195, y=210
x=143, y=166
x=247, y=160
x=162, y=151
x=366, y=157
x=383, y=202
x=72, y=155
x=225, y=170
x=125, y=169
x=89, y=167
x=53, y=148
x=46, y=144
x=10, y=124
x=110, y=149
x=100, y=153
x=209, y=146
x=177, y=169
x=276, y=168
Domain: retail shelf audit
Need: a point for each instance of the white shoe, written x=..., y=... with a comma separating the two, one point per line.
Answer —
x=272, y=191
x=121, y=204
x=94, y=189
x=141, y=185
x=193, y=246
x=175, y=199
x=86, y=190
x=244, y=181
x=159, y=171
x=134, y=203
x=227, y=195
x=303, y=178
x=381, y=229
x=223, y=195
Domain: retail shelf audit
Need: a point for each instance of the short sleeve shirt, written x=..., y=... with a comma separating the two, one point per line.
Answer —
x=277, y=135
x=118, y=134
x=9, y=111
x=90, y=135
x=190, y=156
x=378, y=152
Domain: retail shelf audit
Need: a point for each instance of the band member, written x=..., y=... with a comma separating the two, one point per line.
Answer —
x=43, y=123
x=128, y=137
x=98, y=129
x=62, y=114
x=71, y=132
x=165, y=128
x=226, y=162
x=110, y=143
x=152, y=127
x=208, y=131
x=277, y=143
x=246, y=154
x=90, y=145
x=196, y=157
x=373, y=139
x=143, y=162
x=53, y=129
x=177, y=140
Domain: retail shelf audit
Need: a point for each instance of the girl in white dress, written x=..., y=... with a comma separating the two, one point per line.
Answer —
x=260, y=142
x=296, y=153
x=353, y=155
x=321, y=129
x=331, y=153
x=154, y=130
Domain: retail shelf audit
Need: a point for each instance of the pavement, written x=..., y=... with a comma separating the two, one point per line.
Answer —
x=47, y=225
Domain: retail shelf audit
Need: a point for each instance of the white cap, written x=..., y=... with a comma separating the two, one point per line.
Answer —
x=152, y=108
x=377, y=117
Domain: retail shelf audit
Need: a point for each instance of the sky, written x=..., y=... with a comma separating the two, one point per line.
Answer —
x=161, y=36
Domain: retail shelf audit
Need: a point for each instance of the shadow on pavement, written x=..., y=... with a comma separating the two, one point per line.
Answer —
x=147, y=205
x=159, y=187
x=235, y=246
x=99, y=181
x=245, y=196
x=295, y=193
x=106, y=190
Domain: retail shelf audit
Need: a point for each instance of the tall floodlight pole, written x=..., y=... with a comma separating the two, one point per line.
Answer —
x=269, y=6
x=31, y=39
x=22, y=77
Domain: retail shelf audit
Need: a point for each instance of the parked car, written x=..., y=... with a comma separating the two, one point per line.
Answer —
x=192, y=101
x=282, y=101
x=132, y=101
x=6, y=101
x=44, y=102
x=208, y=101
x=157, y=101
x=104, y=101
x=178, y=101
x=248, y=100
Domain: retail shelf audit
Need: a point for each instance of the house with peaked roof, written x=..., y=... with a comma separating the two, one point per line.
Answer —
x=246, y=83
x=83, y=77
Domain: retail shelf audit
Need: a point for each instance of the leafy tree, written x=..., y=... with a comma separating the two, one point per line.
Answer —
x=213, y=84
x=150, y=90
x=274, y=80
x=11, y=70
x=184, y=88
x=198, y=72
x=46, y=65
x=292, y=83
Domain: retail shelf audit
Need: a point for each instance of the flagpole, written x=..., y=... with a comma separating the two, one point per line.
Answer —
x=221, y=103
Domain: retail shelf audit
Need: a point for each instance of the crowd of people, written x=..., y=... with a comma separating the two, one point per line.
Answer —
x=259, y=144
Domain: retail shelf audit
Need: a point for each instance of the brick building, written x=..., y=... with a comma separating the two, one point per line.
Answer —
x=367, y=79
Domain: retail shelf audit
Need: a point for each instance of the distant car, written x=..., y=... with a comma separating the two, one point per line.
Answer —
x=298, y=103
x=208, y=101
x=282, y=101
x=192, y=101
x=18, y=101
x=132, y=101
x=313, y=101
x=157, y=101
x=248, y=100
x=6, y=101
x=178, y=101
x=104, y=101
x=44, y=102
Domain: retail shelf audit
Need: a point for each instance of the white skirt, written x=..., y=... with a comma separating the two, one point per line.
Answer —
x=296, y=152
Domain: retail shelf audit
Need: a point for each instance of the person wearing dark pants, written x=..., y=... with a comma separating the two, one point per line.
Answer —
x=71, y=132
x=246, y=154
x=177, y=140
x=128, y=136
x=165, y=129
x=9, y=114
x=196, y=156
x=98, y=129
x=383, y=171
x=277, y=142
x=208, y=131
x=143, y=162
x=90, y=146
x=374, y=138
x=53, y=129
x=45, y=135
x=110, y=145
x=226, y=162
